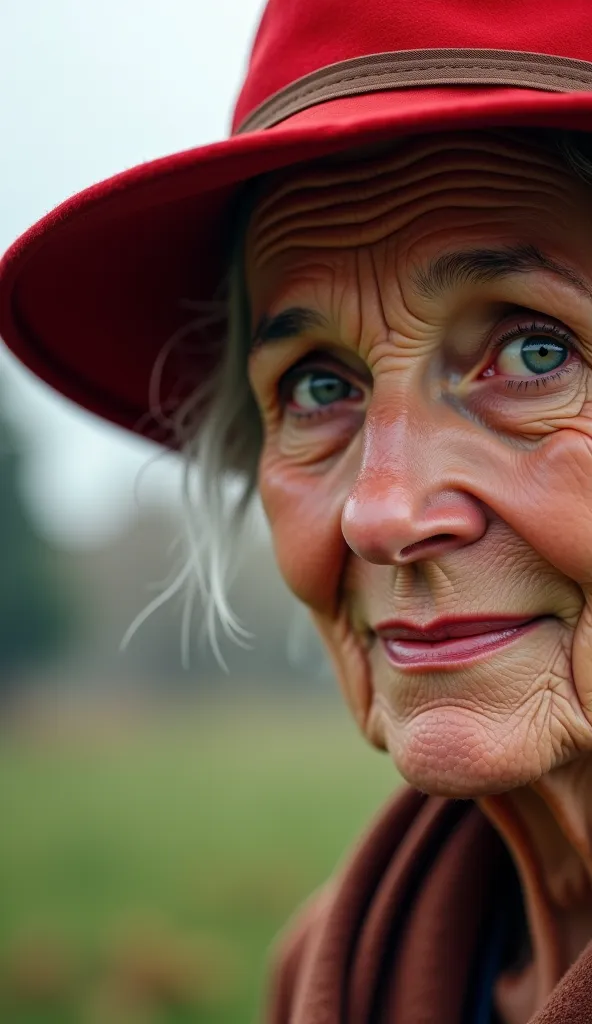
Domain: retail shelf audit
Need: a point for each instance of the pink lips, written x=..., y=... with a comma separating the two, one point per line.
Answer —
x=448, y=642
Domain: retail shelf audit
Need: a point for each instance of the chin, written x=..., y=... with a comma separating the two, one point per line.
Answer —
x=452, y=753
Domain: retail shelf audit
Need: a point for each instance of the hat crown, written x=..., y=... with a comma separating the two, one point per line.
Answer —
x=297, y=37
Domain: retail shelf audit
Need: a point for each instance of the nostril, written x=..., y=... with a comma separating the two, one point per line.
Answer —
x=440, y=541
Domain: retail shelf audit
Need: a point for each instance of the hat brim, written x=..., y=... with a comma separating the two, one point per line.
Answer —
x=90, y=295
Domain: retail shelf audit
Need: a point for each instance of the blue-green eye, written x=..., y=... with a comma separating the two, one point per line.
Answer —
x=320, y=388
x=532, y=355
x=543, y=355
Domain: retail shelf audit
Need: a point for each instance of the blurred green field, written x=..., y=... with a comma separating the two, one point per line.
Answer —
x=146, y=867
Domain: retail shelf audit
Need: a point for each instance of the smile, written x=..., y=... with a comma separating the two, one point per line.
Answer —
x=450, y=642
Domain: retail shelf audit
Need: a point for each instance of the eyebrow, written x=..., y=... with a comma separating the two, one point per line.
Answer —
x=287, y=324
x=479, y=266
x=452, y=269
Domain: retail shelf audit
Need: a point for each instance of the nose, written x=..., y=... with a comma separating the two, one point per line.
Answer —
x=408, y=507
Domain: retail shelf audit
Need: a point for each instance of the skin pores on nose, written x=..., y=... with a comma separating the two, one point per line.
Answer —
x=390, y=215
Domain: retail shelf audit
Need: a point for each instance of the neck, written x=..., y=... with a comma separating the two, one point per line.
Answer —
x=547, y=828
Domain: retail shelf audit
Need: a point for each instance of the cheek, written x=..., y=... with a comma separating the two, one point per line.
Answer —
x=547, y=498
x=304, y=510
x=304, y=507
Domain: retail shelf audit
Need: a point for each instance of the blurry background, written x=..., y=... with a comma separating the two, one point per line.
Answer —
x=159, y=824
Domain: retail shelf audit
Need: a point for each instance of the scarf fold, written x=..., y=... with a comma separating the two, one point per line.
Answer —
x=396, y=936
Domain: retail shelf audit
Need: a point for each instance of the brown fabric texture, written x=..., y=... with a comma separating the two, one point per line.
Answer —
x=404, y=69
x=395, y=937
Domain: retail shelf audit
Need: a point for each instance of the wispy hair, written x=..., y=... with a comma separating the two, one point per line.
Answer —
x=219, y=434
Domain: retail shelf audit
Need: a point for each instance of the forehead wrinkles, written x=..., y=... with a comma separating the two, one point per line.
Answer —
x=363, y=201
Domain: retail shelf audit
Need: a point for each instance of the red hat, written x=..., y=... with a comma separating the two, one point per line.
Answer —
x=92, y=293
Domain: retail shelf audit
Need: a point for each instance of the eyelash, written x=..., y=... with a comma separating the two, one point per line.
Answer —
x=295, y=374
x=518, y=330
x=549, y=329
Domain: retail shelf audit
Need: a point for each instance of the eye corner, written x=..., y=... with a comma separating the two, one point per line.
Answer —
x=525, y=341
x=318, y=387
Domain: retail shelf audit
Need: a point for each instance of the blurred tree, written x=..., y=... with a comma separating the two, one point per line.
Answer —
x=33, y=605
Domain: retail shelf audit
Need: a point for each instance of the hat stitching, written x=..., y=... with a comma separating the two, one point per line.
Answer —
x=361, y=73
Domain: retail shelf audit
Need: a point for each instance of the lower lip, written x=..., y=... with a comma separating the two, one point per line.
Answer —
x=420, y=654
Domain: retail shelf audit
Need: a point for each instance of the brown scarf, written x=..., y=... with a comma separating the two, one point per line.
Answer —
x=395, y=937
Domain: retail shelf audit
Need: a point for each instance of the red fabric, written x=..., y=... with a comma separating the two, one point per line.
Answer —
x=295, y=38
x=394, y=938
x=93, y=292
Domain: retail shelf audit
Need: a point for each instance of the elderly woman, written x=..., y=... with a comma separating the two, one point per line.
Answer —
x=403, y=222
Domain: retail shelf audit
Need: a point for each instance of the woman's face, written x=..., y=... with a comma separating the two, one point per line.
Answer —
x=422, y=356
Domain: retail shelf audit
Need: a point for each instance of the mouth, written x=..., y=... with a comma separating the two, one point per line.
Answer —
x=447, y=643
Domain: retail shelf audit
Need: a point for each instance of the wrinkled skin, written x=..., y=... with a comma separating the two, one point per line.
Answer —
x=443, y=480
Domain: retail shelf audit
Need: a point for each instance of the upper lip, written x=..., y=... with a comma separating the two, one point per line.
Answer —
x=448, y=628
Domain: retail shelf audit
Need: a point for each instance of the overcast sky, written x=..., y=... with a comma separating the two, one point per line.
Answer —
x=88, y=89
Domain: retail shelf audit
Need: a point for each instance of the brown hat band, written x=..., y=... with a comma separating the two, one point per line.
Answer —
x=403, y=69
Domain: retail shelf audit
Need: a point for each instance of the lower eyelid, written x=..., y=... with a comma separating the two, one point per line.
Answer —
x=346, y=403
x=290, y=381
x=573, y=356
x=570, y=344
x=545, y=378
